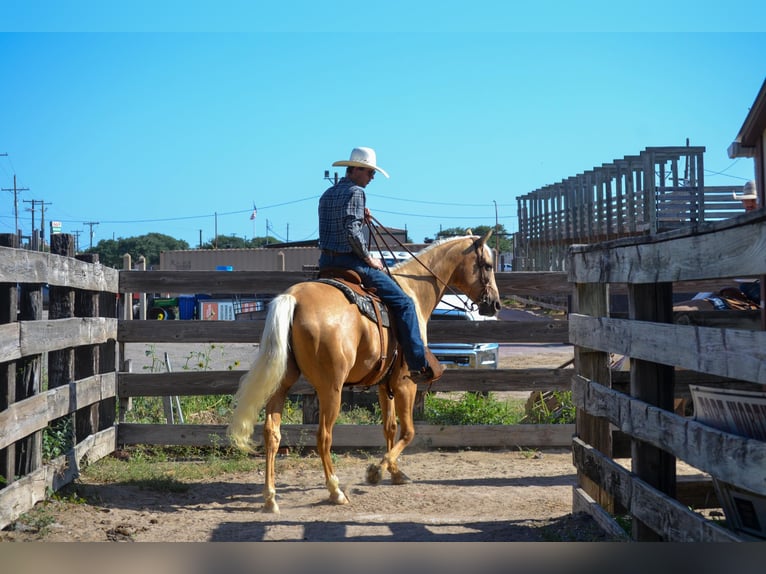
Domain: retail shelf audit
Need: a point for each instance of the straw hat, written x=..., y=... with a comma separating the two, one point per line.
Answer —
x=748, y=192
x=361, y=157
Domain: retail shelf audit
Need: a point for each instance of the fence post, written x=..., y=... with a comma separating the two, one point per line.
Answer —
x=591, y=299
x=654, y=384
x=8, y=314
x=86, y=358
x=61, y=306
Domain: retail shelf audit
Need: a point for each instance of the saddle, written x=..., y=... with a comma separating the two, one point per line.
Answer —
x=371, y=306
x=350, y=284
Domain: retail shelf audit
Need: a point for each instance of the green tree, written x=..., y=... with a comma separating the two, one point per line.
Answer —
x=111, y=251
x=500, y=237
x=234, y=242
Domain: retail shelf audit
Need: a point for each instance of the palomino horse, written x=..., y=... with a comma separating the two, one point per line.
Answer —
x=311, y=329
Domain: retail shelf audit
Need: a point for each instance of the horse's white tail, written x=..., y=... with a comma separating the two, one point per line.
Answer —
x=263, y=378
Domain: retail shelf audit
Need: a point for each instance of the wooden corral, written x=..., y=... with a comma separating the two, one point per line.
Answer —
x=660, y=189
x=65, y=372
x=79, y=348
x=662, y=351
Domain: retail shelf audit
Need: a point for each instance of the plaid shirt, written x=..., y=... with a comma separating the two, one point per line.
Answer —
x=341, y=216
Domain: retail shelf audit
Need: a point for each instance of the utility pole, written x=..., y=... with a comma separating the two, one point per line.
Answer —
x=497, y=239
x=35, y=237
x=42, y=223
x=15, y=191
x=90, y=224
x=76, y=234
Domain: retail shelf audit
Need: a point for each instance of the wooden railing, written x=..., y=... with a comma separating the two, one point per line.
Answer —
x=661, y=351
x=345, y=436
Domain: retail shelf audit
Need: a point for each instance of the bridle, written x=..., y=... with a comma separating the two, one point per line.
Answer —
x=485, y=272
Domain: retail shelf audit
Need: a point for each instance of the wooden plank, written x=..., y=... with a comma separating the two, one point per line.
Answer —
x=728, y=353
x=42, y=336
x=34, y=413
x=200, y=383
x=359, y=436
x=209, y=281
x=676, y=256
x=26, y=266
x=582, y=502
x=10, y=342
x=731, y=458
x=541, y=331
x=670, y=519
x=28, y=490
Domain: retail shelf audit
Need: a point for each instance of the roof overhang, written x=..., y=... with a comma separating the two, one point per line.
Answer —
x=752, y=129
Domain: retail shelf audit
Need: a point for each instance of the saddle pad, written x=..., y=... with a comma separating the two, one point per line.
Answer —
x=365, y=303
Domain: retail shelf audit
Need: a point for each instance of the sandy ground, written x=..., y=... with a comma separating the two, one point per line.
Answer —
x=453, y=496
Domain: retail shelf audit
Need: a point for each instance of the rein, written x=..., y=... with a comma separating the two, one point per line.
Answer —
x=375, y=227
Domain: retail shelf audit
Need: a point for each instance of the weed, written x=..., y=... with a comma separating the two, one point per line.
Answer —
x=58, y=438
x=552, y=407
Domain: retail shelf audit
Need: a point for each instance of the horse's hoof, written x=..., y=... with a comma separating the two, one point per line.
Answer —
x=271, y=507
x=374, y=474
x=338, y=498
x=399, y=478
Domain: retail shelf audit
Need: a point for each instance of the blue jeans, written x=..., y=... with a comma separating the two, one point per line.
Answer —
x=398, y=302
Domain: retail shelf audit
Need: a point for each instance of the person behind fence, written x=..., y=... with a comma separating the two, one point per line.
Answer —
x=749, y=196
x=342, y=215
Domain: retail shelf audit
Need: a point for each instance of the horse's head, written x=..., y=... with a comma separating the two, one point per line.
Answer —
x=476, y=276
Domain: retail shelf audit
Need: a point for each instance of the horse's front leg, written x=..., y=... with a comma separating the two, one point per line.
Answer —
x=404, y=401
x=329, y=408
x=375, y=471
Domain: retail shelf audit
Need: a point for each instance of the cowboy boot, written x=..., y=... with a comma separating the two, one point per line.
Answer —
x=432, y=372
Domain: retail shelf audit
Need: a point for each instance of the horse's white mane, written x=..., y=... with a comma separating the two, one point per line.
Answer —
x=430, y=246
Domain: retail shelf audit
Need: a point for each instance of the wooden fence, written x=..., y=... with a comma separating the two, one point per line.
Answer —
x=56, y=373
x=663, y=352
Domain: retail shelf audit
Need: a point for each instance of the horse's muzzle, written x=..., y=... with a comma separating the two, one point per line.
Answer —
x=488, y=307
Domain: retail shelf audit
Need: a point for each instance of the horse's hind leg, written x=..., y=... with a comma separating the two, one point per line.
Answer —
x=272, y=437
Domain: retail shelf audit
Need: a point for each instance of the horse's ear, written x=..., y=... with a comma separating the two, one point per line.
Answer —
x=484, y=238
x=469, y=231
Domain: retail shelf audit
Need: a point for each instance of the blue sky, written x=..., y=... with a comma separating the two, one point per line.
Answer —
x=166, y=117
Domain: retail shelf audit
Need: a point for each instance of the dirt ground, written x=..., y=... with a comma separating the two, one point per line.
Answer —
x=458, y=495
x=453, y=496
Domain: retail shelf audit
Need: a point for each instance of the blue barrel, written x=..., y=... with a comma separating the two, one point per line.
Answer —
x=186, y=305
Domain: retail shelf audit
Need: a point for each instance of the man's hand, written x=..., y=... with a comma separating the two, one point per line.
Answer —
x=374, y=263
x=367, y=215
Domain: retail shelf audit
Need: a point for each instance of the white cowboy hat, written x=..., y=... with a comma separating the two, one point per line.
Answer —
x=361, y=157
x=748, y=192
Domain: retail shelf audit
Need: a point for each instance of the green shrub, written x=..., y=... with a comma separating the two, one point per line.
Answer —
x=471, y=409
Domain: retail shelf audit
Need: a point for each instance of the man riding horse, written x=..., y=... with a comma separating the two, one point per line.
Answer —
x=342, y=216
